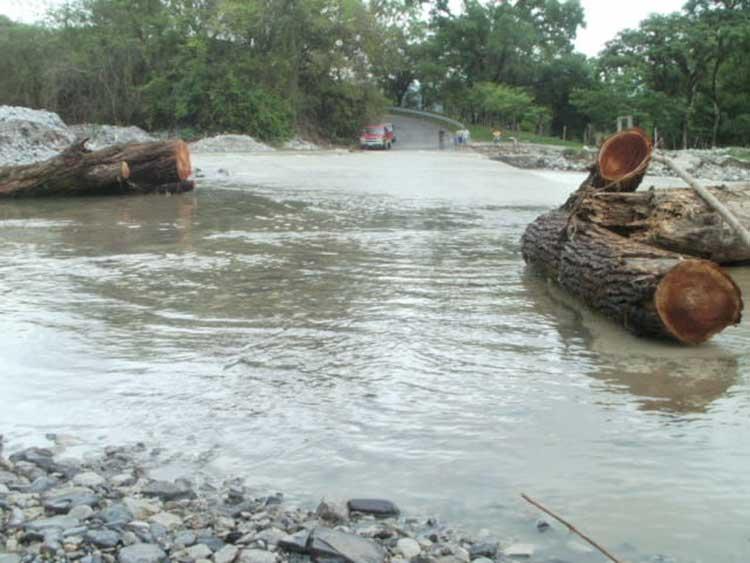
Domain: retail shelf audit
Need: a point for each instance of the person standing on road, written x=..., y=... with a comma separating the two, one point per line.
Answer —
x=441, y=139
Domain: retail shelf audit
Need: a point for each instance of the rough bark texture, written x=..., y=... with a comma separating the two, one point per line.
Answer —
x=622, y=278
x=135, y=168
x=676, y=219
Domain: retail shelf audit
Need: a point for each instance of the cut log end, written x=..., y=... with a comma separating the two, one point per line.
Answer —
x=697, y=300
x=182, y=157
x=625, y=155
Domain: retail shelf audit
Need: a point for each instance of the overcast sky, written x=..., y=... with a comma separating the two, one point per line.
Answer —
x=604, y=17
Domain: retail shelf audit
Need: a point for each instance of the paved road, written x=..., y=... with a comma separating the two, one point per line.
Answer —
x=414, y=133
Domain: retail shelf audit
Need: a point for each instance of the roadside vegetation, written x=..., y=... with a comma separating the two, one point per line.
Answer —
x=272, y=68
x=483, y=133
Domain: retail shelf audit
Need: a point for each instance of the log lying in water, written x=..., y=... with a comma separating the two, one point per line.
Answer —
x=122, y=169
x=652, y=292
x=676, y=219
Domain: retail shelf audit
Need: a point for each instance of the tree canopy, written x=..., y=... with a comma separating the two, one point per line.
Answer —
x=325, y=67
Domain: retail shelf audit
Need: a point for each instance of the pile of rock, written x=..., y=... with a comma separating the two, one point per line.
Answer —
x=712, y=165
x=107, y=509
x=102, y=136
x=229, y=143
x=717, y=165
x=300, y=144
x=28, y=135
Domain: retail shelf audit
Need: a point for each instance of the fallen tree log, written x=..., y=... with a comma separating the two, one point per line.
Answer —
x=122, y=169
x=676, y=219
x=652, y=292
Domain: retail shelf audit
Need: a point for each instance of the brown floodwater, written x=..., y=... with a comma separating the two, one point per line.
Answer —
x=363, y=324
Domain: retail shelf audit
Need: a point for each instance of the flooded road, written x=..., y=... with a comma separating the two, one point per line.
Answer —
x=364, y=324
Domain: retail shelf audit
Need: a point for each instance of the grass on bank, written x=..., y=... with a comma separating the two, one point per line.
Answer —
x=484, y=134
x=740, y=153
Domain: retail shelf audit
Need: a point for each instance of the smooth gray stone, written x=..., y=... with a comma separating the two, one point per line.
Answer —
x=235, y=510
x=324, y=542
x=486, y=549
x=17, y=518
x=212, y=542
x=158, y=531
x=102, y=538
x=10, y=558
x=296, y=543
x=116, y=514
x=81, y=513
x=7, y=477
x=333, y=510
x=167, y=491
x=53, y=535
x=42, y=458
x=142, y=553
x=50, y=548
x=63, y=503
x=376, y=507
x=184, y=539
x=43, y=484
x=77, y=531
x=61, y=522
x=256, y=556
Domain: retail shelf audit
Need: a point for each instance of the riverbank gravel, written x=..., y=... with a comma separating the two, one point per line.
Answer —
x=717, y=165
x=108, y=510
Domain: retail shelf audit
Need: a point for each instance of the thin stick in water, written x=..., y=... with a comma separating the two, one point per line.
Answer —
x=572, y=528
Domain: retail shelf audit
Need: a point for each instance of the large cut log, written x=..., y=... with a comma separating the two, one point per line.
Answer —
x=652, y=292
x=122, y=169
x=677, y=219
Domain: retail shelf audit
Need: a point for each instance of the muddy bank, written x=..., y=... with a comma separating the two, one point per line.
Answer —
x=714, y=165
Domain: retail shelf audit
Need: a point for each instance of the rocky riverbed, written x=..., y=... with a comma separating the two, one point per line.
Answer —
x=106, y=509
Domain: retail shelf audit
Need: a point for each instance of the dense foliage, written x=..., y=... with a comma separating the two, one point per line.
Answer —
x=260, y=66
x=270, y=67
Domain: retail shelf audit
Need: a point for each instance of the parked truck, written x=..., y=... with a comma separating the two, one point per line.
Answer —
x=381, y=136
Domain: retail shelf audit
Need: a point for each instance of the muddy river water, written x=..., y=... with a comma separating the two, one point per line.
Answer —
x=364, y=324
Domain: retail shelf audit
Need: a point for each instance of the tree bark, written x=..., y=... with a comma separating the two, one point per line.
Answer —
x=677, y=220
x=652, y=292
x=122, y=169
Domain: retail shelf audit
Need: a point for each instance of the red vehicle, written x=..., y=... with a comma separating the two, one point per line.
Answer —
x=379, y=136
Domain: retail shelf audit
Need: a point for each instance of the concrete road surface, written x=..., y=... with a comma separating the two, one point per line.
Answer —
x=414, y=133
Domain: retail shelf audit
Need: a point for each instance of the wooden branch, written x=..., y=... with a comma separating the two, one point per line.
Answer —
x=708, y=197
x=572, y=528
